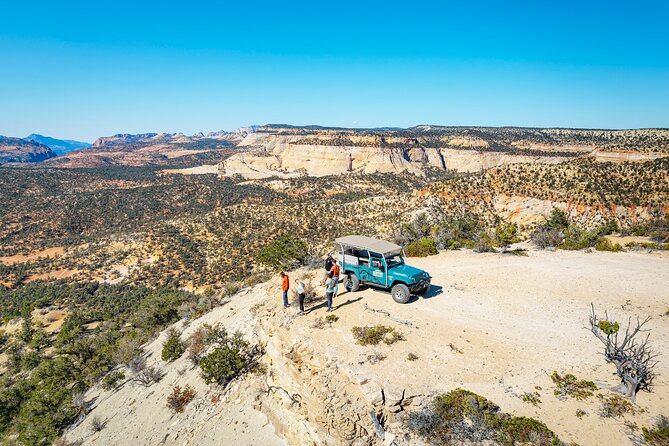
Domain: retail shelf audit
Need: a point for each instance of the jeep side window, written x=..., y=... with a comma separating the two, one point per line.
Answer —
x=363, y=255
x=376, y=259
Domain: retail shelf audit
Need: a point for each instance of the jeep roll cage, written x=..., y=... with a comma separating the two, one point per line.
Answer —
x=358, y=244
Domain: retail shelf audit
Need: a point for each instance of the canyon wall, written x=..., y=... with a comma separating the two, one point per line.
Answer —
x=266, y=155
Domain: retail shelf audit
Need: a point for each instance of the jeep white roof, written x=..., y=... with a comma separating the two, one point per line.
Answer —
x=369, y=243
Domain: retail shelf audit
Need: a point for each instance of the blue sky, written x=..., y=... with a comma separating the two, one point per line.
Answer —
x=87, y=69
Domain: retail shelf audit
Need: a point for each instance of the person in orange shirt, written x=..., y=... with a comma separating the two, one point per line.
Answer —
x=335, y=275
x=285, y=286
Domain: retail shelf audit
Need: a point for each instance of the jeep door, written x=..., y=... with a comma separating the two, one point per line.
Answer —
x=377, y=267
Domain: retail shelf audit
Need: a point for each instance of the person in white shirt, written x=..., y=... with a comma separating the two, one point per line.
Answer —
x=300, y=296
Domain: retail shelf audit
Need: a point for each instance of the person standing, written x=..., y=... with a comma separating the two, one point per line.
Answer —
x=300, y=296
x=335, y=270
x=328, y=266
x=285, y=286
x=329, y=290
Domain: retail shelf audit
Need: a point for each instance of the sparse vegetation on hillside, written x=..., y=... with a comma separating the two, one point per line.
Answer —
x=284, y=252
x=526, y=141
x=657, y=435
x=422, y=248
x=569, y=386
x=48, y=374
x=461, y=416
x=173, y=347
x=374, y=335
x=615, y=406
x=231, y=356
x=179, y=398
x=559, y=232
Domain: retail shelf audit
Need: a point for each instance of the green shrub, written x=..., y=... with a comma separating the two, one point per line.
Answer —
x=462, y=417
x=179, y=398
x=557, y=231
x=576, y=238
x=569, y=385
x=412, y=357
x=525, y=430
x=409, y=233
x=285, y=252
x=532, y=398
x=158, y=310
x=484, y=243
x=231, y=289
x=609, y=328
x=111, y=379
x=659, y=434
x=605, y=245
x=422, y=248
x=374, y=335
x=505, y=234
x=228, y=360
x=557, y=220
x=547, y=238
x=458, y=232
x=173, y=347
x=615, y=406
x=331, y=318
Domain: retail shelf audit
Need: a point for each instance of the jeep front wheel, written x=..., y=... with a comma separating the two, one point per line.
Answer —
x=400, y=293
x=351, y=283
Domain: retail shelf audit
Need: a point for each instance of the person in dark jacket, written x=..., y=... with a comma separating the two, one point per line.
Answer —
x=329, y=261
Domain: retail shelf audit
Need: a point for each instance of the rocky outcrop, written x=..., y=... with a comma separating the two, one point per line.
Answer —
x=272, y=154
x=145, y=139
x=529, y=211
x=286, y=151
x=16, y=150
x=123, y=139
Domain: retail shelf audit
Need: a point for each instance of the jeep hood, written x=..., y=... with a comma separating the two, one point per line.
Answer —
x=407, y=271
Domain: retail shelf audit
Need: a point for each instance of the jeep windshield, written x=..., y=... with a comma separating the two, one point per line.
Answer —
x=394, y=260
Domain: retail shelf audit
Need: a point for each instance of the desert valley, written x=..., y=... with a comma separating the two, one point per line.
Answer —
x=140, y=300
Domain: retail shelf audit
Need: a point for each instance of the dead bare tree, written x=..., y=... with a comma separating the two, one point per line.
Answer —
x=634, y=360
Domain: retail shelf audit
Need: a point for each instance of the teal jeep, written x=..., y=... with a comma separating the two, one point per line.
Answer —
x=380, y=264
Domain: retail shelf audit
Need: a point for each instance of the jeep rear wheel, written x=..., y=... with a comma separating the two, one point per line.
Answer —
x=351, y=283
x=400, y=293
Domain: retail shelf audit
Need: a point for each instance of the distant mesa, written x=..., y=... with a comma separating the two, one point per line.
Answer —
x=278, y=150
x=123, y=139
x=59, y=146
x=151, y=149
x=17, y=150
x=281, y=150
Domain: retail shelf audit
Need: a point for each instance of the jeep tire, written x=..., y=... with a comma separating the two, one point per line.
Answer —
x=351, y=283
x=400, y=293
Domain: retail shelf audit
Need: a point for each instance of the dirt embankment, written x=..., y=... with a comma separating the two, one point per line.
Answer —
x=495, y=324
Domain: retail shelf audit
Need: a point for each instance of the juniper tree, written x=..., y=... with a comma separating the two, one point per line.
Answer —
x=629, y=352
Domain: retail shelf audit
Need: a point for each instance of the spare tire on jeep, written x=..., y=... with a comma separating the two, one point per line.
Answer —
x=400, y=293
x=351, y=282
